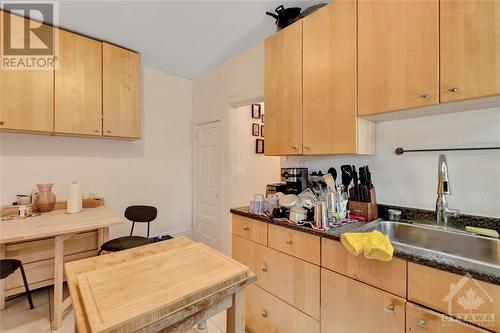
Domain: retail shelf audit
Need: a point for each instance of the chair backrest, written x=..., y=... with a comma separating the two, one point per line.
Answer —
x=141, y=213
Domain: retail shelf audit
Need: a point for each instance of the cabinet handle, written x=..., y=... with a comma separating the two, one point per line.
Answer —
x=289, y=242
x=264, y=269
x=294, y=147
x=97, y=131
x=246, y=228
x=425, y=95
x=307, y=147
x=1, y=123
x=422, y=324
x=108, y=131
x=453, y=89
x=389, y=308
x=264, y=313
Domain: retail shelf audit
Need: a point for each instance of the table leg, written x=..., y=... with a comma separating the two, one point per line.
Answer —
x=58, y=281
x=2, y=282
x=102, y=236
x=236, y=314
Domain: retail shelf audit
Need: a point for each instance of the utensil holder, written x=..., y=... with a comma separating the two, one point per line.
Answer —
x=369, y=210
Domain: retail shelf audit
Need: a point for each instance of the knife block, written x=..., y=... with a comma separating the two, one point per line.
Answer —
x=369, y=210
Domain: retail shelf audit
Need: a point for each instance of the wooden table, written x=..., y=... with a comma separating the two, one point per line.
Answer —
x=162, y=287
x=60, y=226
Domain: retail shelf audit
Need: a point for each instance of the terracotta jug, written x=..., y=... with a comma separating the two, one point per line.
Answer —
x=45, y=200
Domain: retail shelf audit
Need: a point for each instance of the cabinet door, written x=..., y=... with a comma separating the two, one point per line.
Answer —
x=26, y=101
x=283, y=91
x=421, y=320
x=121, y=92
x=351, y=306
x=470, y=49
x=398, y=52
x=78, y=85
x=329, y=111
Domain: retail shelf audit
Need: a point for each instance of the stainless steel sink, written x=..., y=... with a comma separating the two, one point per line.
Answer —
x=456, y=243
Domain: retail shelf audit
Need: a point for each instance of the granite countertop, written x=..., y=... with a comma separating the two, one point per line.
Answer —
x=420, y=256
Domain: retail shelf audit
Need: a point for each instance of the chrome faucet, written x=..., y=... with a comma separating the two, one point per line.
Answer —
x=443, y=190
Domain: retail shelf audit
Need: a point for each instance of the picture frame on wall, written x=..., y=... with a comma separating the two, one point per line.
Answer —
x=259, y=146
x=262, y=130
x=256, y=111
x=255, y=129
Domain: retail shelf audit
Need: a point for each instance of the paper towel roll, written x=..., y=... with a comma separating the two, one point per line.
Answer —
x=74, y=204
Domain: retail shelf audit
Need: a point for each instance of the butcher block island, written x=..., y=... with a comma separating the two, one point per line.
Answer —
x=165, y=286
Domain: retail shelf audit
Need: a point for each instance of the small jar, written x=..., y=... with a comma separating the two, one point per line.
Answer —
x=394, y=215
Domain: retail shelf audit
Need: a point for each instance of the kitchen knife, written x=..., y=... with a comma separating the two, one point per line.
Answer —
x=355, y=183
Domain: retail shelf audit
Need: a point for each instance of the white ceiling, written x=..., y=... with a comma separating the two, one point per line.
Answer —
x=183, y=38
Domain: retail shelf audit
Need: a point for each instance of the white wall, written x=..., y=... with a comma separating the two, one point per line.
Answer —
x=155, y=170
x=250, y=172
x=411, y=179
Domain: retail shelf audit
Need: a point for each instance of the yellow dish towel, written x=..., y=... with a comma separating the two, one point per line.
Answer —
x=374, y=245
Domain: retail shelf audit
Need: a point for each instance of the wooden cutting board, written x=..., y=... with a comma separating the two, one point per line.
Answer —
x=133, y=294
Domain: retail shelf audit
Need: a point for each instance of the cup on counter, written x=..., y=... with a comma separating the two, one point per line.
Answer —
x=258, y=204
x=272, y=202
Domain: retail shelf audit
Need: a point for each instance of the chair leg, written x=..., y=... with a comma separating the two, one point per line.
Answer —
x=148, y=229
x=132, y=230
x=28, y=293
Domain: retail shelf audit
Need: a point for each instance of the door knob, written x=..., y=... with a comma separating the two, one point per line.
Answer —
x=264, y=269
x=264, y=313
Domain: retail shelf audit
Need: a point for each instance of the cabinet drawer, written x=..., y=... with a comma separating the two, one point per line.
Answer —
x=44, y=248
x=250, y=229
x=351, y=306
x=420, y=320
x=40, y=270
x=293, y=280
x=444, y=291
x=266, y=313
x=389, y=276
x=296, y=243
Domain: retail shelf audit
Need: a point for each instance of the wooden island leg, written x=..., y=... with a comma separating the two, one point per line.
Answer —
x=236, y=314
x=2, y=282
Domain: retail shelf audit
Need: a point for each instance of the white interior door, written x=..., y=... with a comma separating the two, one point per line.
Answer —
x=207, y=184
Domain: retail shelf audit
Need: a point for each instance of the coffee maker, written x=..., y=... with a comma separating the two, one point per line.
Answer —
x=295, y=179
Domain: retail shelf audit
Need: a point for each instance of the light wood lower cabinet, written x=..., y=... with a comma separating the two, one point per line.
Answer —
x=421, y=320
x=460, y=296
x=250, y=229
x=351, y=306
x=295, y=243
x=266, y=313
x=389, y=276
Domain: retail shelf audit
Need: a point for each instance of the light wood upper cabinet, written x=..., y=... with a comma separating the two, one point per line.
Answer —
x=398, y=52
x=121, y=92
x=283, y=91
x=351, y=306
x=78, y=85
x=26, y=96
x=470, y=49
x=329, y=88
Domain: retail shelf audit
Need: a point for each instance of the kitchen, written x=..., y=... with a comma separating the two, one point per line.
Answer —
x=381, y=103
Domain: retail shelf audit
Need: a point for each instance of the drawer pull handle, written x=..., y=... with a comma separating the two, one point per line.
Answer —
x=246, y=228
x=453, y=89
x=425, y=95
x=1, y=123
x=422, y=324
x=289, y=242
x=264, y=313
x=295, y=147
x=389, y=308
x=264, y=269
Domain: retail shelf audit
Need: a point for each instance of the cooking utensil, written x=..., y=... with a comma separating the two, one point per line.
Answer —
x=285, y=16
x=346, y=179
x=332, y=171
x=330, y=182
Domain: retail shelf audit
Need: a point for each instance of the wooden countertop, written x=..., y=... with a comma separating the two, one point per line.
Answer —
x=131, y=289
x=55, y=223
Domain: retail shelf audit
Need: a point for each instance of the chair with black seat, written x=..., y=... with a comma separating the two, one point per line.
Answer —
x=9, y=266
x=143, y=214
